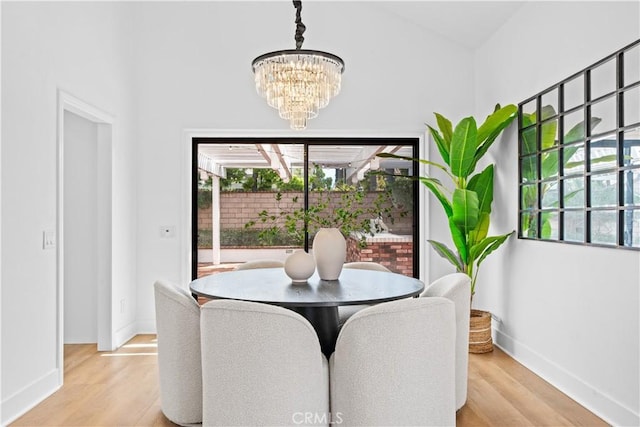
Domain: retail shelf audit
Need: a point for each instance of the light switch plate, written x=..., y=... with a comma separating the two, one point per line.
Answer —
x=48, y=239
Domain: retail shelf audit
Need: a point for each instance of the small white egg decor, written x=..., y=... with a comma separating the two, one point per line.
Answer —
x=299, y=266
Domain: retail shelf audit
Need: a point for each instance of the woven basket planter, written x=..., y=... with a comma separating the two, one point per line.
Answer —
x=480, y=332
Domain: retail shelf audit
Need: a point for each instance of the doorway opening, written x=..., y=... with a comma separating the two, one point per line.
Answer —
x=83, y=226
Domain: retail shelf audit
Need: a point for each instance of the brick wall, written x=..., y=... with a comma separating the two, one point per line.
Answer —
x=238, y=208
x=395, y=254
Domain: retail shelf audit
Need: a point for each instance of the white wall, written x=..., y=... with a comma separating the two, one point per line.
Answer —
x=193, y=71
x=84, y=49
x=80, y=230
x=569, y=313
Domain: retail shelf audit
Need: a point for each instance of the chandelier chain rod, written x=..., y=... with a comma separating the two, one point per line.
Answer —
x=300, y=27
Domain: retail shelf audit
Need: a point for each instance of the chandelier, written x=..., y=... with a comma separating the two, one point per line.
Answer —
x=298, y=82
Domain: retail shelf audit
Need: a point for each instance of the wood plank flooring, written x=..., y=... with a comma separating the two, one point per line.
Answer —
x=120, y=388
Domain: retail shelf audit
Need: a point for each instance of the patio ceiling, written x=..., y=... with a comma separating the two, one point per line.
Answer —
x=357, y=159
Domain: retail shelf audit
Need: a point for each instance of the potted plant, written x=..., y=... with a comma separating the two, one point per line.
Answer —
x=467, y=202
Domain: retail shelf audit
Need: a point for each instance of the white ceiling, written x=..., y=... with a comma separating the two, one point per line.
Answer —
x=468, y=23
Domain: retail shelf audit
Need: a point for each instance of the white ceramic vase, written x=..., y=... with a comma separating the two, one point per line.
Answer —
x=330, y=252
x=299, y=266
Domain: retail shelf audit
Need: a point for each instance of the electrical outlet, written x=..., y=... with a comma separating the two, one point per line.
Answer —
x=167, y=232
x=48, y=239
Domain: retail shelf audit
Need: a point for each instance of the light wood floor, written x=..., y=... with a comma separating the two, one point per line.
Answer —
x=120, y=388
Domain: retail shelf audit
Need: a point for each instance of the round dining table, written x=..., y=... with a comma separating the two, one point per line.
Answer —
x=317, y=300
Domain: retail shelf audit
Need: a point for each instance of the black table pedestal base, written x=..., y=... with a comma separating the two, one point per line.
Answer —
x=325, y=321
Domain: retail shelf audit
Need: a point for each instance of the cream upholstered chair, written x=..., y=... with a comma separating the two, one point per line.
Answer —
x=366, y=265
x=179, y=363
x=346, y=311
x=394, y=365
x=260, y=263
x=261, y=365
x=457, y=288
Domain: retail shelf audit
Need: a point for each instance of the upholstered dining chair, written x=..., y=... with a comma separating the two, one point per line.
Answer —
x=262, y=365
x=457, y=288
x=260, y=263
x=346, y=311
x=179, y=363
x=394, y=365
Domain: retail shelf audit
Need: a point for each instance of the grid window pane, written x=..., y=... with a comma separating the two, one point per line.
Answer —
x=574, y=226
x=604, y=190
x=631, y=150
x=548, y=134
x=549, y=164
x=529, y=198
x=632, y=65
x=631, y=189
x=631, y=106
x=529, y=108
x=574, y=93
x=603, y=153
x=605, y=112
x=585, y=180
x=529, y=167
x=550, y=100
x=603, y=79
x=529, y=224
x=573, y=192
x=549, y=225
x=549, y=192
x=573, y=159
x=574, y=130
x=604, y=226
x=528, y=143
x=632, y=228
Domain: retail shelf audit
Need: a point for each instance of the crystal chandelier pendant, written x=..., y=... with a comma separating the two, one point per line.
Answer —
x=298, y=82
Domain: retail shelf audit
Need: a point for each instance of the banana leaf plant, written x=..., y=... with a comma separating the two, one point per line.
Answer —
x=549, y=162
x=467, y=202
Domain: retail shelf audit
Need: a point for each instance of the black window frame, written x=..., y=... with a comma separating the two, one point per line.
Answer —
x=532, y=157
x=413, y=142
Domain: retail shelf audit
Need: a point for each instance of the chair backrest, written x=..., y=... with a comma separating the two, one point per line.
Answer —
x=457, y=288
x=366, y=265
x=394, y=365
x=179, y=362
x=262, y=365
x=260, y=263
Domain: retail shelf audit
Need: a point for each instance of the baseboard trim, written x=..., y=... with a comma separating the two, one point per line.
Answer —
x=124, y=334
x=591, y=398
x=147, y=326
x=19, y=403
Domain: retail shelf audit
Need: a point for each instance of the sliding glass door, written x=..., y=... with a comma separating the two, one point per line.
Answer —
x=264, y=198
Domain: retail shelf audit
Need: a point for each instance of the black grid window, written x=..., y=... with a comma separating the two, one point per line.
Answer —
x=579, y=156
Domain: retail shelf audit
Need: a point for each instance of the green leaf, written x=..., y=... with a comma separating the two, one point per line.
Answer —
x=436, y=188
x=529, y=140
x=481, y=230
x=545, y=231
x=465, y=209
x=445, y=127
x=443, y=145
x=499, y=240
x=446, y=253
x=482, y=184
x=492, y=127
x=463, y=147
x=549, y=129
x=460, y=241
x=499, y=119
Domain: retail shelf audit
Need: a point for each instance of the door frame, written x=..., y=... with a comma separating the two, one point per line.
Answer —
x=104, y=122
x=187, y=190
